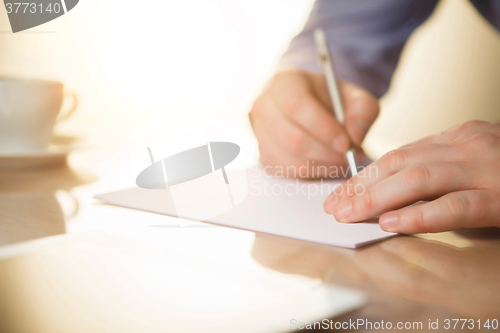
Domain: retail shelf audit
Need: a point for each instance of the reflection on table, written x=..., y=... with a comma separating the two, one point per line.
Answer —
x=464, y=280
x=29, y=207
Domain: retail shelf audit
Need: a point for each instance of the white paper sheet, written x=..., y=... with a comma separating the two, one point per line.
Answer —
x=283, y=207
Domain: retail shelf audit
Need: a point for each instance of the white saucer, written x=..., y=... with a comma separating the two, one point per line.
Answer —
x=55, y=154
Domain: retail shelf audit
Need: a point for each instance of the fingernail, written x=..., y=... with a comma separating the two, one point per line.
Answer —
x=341, y=144
x=343, y=210
x=389, y=221
x=331, y=203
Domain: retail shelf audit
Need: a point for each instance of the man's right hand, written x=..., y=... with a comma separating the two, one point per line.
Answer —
x=294, y=123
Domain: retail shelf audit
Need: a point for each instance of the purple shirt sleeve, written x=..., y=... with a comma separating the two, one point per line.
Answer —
x=366, y=38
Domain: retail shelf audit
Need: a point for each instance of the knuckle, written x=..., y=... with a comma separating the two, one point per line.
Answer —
x=344, y=191
x=477, y=207
x=295, y=142
x=415, y=218
x=456, y=206
x=480, y=142
x=427, y=149
x=292, y=105
x=461, y=131
x=470, y=124
x=286, y=74
x=257, y=106
x=395, y=160
x=488, y=140
x=416, y=176
x=368, y=200
x=259, y=111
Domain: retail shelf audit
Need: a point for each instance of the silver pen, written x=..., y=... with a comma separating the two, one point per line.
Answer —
x=333, y=89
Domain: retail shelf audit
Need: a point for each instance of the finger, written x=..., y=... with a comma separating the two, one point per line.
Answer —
x=361, y=107
x=306, y=111
x=284, y=165
x=293, y=138
x=264, y=117
x=361, y=110
x=463, y=209
x=414, y=183
x=388, y=165
x=383, y=168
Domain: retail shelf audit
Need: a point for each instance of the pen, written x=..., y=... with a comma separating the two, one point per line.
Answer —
x=333, y=89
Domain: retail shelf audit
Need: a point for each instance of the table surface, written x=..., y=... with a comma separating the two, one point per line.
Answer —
x=449, y=275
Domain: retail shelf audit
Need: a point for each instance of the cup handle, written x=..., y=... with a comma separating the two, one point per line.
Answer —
x=76, y=207
x=67, y=114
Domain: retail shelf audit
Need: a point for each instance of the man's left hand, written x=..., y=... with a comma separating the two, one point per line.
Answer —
x=457, y=172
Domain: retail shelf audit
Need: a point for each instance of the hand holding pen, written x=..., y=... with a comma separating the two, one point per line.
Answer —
x=295, y=125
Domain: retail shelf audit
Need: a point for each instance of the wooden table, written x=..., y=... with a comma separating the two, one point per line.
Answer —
x=452, y=275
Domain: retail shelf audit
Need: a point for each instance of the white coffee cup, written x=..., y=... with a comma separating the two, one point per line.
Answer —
x=29, y=110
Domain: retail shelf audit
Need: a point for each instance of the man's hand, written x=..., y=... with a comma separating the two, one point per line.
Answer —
x=294, y=123
x=457, y=171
